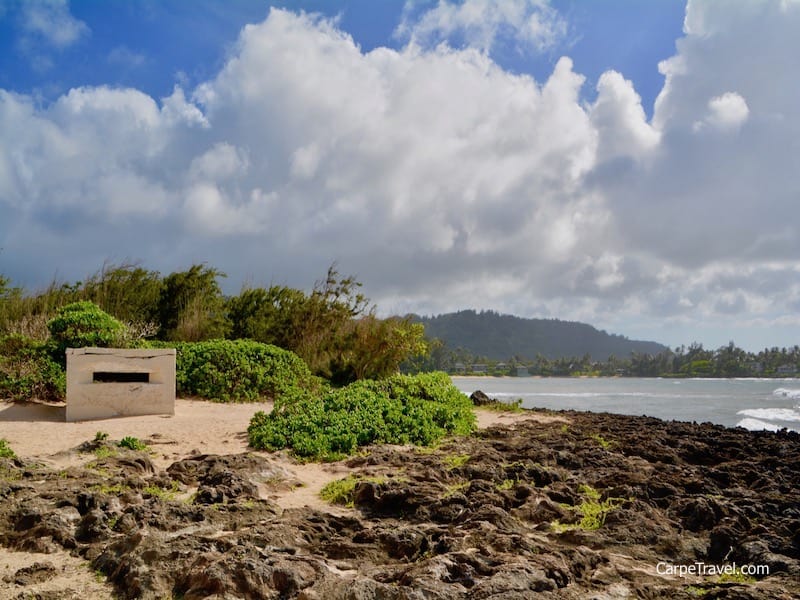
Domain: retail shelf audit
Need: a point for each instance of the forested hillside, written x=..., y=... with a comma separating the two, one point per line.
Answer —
x=500, y=337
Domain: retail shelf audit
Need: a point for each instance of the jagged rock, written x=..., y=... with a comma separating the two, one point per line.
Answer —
x=425, y=529
x=479, y=398
x=38, y=572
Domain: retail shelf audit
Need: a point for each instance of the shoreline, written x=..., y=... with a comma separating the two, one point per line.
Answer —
x=756, y=404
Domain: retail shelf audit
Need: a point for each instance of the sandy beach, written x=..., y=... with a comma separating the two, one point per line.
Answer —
x=39, y=431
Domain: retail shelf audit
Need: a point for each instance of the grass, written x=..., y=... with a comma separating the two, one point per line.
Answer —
x=454, y=461
x=9, y=474
x=604, y=443
x=507, y=484
x=5, y=449
x=514, y=406
x=161, y=493
x=736, y=577
x=101, y=471
x=342, y=491
x=593, y=512
x=105, y=452
x=455, y=488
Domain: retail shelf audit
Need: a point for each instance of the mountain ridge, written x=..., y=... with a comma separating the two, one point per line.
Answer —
x=497, y=336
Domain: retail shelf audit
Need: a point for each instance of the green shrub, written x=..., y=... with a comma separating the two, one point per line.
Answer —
x=133, y=443
x=28, y=371
x=83, y=324
x=401, y=409
x=239, y=370
x=5, y=449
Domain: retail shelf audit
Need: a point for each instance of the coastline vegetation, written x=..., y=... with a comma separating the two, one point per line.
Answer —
x=693, y=361
x=331, y=366
x=258, y=344
x=5, y=449
x=400, y=409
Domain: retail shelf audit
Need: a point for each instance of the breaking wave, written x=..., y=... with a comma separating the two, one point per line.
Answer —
x=771, y=419
x=757, y=425
x=787, y=393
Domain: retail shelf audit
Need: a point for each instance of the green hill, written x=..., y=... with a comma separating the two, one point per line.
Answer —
x=500, y=337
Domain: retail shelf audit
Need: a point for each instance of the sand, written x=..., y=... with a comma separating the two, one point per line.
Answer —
x=39, y=431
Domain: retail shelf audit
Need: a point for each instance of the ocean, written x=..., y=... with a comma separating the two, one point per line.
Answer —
x=755, y=404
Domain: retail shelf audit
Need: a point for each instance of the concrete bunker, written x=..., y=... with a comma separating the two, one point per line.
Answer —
x=113, y=382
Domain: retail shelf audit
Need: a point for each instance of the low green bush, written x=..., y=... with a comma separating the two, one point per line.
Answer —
x=133, y=443
x=401, y=409
x=239, y=371
x=83, y=324
x=27, y=371
x=5, y=449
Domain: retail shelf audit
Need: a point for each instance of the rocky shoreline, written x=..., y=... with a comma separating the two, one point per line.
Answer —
x=584, y=506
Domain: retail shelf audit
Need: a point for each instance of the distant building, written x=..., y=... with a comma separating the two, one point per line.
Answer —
x=459, y=367
x=756, y=367
x=500, y=367
x=522, y=371
x=787, y=370
x=479, y=368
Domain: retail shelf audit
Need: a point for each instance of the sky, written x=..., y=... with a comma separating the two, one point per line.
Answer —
x=632, y=165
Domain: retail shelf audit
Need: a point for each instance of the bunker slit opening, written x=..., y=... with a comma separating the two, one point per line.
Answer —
x=120, y=377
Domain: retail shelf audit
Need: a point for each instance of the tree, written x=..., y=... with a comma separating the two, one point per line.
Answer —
x=375, y=348
x=270, y=315
x=128, y=292
x=332, y=329
x=191, y=306
x=322, y=323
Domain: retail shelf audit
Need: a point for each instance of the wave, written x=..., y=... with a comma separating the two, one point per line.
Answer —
x=609, y=395
x=771, y=414
x=569, y=394
x=757, y=425
x=787, y=393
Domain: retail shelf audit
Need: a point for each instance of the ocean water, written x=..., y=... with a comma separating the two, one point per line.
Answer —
x=755, y=404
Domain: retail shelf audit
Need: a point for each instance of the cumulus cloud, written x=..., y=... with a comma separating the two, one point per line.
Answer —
x=437, y=177
x=480, y=23
x=620, y=119
x=727, y=112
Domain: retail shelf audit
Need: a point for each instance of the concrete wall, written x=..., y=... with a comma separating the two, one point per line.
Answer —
x=88, y=399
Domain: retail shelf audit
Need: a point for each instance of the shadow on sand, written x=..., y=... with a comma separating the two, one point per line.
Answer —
x=33, y=412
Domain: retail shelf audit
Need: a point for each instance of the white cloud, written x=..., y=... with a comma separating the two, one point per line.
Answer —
x=620, y=119
x=437, y=177
x=51, y=22
x=727, y=112
x=480, y=23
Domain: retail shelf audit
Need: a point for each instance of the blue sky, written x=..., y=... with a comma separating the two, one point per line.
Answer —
x=624, y=163
x=151, y=45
